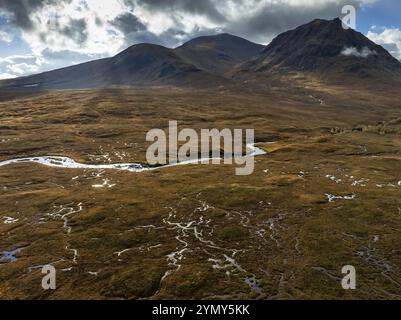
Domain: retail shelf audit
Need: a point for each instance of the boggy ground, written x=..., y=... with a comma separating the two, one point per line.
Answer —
x=326, y=195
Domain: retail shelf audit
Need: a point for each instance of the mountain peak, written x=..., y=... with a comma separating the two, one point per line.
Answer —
x=221, y=40
x=326, y=21
x=218, y=53
x=325, y=47
x=143, y=47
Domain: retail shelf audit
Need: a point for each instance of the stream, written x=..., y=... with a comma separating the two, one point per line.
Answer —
x=68, y=163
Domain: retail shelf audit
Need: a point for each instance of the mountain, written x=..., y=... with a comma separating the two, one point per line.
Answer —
x=324, y=48
x=139, y=65
x=321, y=48
x=199, y=62
x=153, y=64
x=218, y=54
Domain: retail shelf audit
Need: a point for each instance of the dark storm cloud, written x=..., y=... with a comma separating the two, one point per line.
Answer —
x=170, y=38
x=256, y=20
x=20, y=10
x=174, y=8
x=201, y=7
x=128, y=23
x=98, y=21
x=75, y=30
x=273, y=19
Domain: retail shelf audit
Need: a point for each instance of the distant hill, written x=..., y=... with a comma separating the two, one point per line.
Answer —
x=218, y=54
x=200, y=62
x=142, y=64
x=325, y=48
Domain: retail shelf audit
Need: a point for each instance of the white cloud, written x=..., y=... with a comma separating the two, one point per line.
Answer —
x=75, y=27
x=20, y=59
x=19, y=65
x=7, y=76
x=363, y=53
x=23, y=68
x=6, y=37
x=390, y=39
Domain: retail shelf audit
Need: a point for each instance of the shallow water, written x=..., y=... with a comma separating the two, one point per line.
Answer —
x=68, y=163
x=9, y=256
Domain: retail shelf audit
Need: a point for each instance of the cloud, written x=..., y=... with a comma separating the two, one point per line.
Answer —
x=78, y=20
x=6, y=37
x=390, y=39
x=256, y=20
x=207, y=8
x=128, y=23
x=23, y=68
x=363, y=53
x=20, y=59
x=64, y=32
x=76, y=30
x=21, y=10
x=73, y=32
x=65, y=55
x=19, y=65
x=7, y=76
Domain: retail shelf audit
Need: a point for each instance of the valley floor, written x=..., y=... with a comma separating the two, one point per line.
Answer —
x=326, y=195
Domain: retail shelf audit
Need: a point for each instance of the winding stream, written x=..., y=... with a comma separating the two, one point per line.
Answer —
x=68, y=163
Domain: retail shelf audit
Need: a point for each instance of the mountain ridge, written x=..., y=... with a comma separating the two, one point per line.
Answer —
x=217, y=54
x=321, y=47
x=146, y=64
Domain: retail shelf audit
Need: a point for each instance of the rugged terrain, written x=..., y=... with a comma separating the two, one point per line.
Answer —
x=326, y=195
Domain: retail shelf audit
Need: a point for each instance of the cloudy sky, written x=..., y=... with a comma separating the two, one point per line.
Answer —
x=39, y=35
